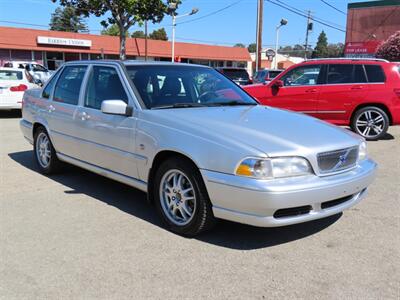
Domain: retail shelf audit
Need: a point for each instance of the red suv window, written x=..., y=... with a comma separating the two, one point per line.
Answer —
x=375, y=73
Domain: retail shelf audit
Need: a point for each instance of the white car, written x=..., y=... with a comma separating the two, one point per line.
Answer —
x=38, y=71
x=13, y=84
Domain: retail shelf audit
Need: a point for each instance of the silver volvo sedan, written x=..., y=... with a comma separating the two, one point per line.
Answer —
x=200, y=146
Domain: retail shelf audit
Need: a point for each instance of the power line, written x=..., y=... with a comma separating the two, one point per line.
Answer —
x=211, y=13
x=298, y=12
x=335, y=8
x=306, y=13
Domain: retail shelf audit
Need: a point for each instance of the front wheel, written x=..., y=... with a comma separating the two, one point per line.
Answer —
x=371, y=122
x=181, y=198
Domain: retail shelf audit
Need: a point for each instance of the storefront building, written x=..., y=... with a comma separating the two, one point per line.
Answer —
x=52, y=48
x=369, y=24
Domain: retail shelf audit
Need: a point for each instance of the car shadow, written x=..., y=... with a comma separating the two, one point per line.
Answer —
x=132, y=201
x=10, y=114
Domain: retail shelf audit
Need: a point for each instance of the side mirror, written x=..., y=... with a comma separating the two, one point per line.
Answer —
x=116, y=107
x=277, y=84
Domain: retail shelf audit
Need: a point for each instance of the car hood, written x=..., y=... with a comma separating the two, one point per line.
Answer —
x=266, y=129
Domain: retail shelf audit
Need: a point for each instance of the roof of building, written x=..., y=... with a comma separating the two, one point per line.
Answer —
x=26, y=39
x=366, y=4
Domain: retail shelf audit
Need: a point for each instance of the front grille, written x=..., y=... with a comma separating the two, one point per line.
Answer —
x=338, y=160
x=292, y=211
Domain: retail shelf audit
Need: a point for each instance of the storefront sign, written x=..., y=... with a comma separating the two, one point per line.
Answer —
x=362, y=49
x=63, y=42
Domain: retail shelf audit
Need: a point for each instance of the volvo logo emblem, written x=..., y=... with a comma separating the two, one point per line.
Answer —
x=342, y=160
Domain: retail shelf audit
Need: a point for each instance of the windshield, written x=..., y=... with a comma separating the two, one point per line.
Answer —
x=164, y=86
x=10, y=75
x=39, y=68
x=236, y=73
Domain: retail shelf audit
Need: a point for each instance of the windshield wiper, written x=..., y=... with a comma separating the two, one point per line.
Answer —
x=231, y=103
x=179, y=105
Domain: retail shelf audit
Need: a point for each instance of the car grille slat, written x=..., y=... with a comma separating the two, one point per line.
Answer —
x=338, y=160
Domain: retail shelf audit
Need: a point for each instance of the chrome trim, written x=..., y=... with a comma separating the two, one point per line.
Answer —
x=136, y=156
x=136, y=183
x=323, y=111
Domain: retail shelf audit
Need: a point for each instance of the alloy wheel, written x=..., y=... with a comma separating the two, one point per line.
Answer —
x=178, y=199
x=370, y=124
x=43, y=150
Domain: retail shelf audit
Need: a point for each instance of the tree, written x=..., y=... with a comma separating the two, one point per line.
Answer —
x=239, y=45
x=335, y=50
x=159, y=34
x=138, y=34
x=321, y=49
x=390, y=49
x=112, y=30
x=123, y=13
x=252, y=47
x=66, y=19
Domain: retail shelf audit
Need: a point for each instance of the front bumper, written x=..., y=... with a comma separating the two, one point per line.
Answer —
x=255, y=202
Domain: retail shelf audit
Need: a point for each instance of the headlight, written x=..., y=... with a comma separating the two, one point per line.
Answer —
x=277, y=167
x=362, y=151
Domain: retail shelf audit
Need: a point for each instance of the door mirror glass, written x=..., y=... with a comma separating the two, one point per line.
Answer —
x=278, y=84
x=115, y=107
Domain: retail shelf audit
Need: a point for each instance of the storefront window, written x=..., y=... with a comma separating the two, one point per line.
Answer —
x=54, y=60
x=95, y=56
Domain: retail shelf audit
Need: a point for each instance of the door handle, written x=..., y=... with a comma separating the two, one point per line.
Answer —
x=357, y=87
x=84, y=116
x=311, y=91
x=51, y=108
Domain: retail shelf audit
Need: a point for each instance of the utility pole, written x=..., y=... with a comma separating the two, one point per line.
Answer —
x=145, y=40
x=309, y=28
x=260, y=10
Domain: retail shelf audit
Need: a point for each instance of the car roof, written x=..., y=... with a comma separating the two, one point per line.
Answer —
x=134, y=63
x=11, y=69
x=344, y=60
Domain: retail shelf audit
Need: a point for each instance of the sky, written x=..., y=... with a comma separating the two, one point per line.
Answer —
x=235, y=24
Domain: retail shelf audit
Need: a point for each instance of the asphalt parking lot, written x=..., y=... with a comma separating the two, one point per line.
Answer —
x=78, y=235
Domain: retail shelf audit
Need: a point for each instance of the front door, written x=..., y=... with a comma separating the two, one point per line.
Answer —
x=299, y=92
x=108, y=141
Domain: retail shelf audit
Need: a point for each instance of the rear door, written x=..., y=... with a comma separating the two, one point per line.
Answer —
x=61, y=111
x=345, y=85
x=299, y=92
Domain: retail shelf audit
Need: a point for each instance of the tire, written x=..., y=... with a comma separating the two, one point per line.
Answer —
x=42, y=149
x=370, y=122
x=183, y=204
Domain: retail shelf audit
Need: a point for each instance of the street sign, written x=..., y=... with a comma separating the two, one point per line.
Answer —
x=270, y=54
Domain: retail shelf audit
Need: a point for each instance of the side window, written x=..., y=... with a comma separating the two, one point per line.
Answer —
x=375, y=73
x=304, y=75
x=359, y=74
x=340, y=73
x=69, y=84
x=49, y=87
x=103, y=84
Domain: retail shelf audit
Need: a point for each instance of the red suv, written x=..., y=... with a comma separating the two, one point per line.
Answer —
x=362, y=93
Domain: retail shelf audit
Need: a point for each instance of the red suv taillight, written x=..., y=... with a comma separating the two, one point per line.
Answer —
x=19, y=88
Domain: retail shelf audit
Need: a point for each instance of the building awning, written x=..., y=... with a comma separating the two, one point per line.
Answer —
x=57, y=41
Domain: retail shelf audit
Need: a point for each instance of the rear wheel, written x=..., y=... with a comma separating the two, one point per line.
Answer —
x=44, y=153
x=371, y=122
x=181, y=198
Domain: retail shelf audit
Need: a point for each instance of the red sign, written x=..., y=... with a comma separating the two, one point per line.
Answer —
x=361, y=48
